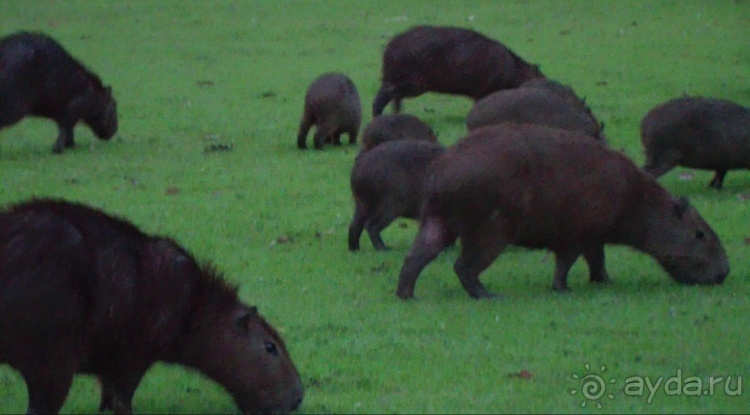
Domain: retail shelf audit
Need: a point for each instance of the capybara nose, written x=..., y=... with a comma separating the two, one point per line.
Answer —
x=296, y=404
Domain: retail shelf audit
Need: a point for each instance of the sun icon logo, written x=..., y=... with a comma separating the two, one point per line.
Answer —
x=593, y=387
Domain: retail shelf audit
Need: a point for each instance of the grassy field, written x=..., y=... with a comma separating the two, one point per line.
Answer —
x=191, y=74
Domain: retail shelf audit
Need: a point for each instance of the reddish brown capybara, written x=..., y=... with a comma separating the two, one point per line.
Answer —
x=449, y=60
x=547, y=106
x=331, y=104
x=697, y=132
x=393, y=127
x=39, y=78
x=537, y=187
x=84, y=292
x=387, y=182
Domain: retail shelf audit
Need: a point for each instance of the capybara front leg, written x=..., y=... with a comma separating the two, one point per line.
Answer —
x=381, y=100
x=108, y=394
x=48, y=388
x=476, y=257
x=124, y=388
x=431, y=239
x=597, y=271
x=352, y=136
x=357, y=226
x=563, y=262
x=304, y=129
x=718, y=181
x=64, y=138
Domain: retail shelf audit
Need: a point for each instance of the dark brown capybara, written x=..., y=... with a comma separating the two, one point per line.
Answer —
x=449, y=60
x=548, y=106
x=697, y=132
x=331, y=104
x=537, y=187
x=39, y=78
x=84, y=292
x=387, y=182
x=392, y=127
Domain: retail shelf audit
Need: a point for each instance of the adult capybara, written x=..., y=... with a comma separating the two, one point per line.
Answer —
x=450, y=60
x=538, y=187
x=535, y=105
x=332, y=104
x=39, y=78
x=697, y=132
x=84, y=292
x=393, y=127
x=388, y=182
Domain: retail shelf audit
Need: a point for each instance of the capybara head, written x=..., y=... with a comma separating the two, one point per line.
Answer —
x=102, y=115
x=240, y=350
x=687, y=247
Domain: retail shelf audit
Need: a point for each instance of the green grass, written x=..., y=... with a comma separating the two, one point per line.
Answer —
x=358, y=348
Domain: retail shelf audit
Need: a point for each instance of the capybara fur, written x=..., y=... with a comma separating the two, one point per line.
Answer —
x=85, y=292
x=535, y=105
x=331, y=104
x=543, y=188
x=697, y=132
x=387, y=182
x=448, y=60
x=391, y=127
x=39, y=78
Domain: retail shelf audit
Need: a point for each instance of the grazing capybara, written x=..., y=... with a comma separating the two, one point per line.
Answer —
x=537, y=187
x=331, y=104
x=39, y=78
x=547, y=106
x=84, y=292
x=697, y=132
x=387, y=182
x=449, y=60
x=393, y=127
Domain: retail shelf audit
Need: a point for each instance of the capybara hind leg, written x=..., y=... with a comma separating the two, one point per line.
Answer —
x=64, y=138
x=123, y=389
x=357, y=226
x=352, y=136
x=563, y=262
x=379, y=220
x=108, y=394
x=475, y=257
x=597, y=271
x=337, y=138
x=718, y=181
x=48, y=387
x=431, y=239
x=304, y=129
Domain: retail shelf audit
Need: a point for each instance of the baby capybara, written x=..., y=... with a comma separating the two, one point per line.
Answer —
x=39, y=78
x=331, y=104
x=449, y=60
x=538, y=187
x=697, y=132
x=394, y=127
x=387, y=182
x=542, y=105
x=85, y=292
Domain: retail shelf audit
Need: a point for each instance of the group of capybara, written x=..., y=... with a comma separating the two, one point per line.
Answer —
x=84, y=292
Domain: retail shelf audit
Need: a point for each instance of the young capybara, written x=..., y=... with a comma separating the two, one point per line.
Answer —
x=332, y=104
x=449, y=60
x=537, y=187
x=387, y=182
x=84, y=292
x=545, y=106
x=393, y=127
x=39, y=78
x=697, y=132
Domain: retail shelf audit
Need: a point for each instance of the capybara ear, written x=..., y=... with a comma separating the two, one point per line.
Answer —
x=680, y=207
x=601, y=126
x=244, y=321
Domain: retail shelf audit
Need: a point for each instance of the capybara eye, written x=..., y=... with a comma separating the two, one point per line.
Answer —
x=700, y=235
x=271, y=348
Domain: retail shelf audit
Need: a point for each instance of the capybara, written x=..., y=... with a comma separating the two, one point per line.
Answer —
x=697, y=132
x=387, y=182
x=85, y=292
x=449, y=60
x=393, y=127
x=331, y=104
x=537, y=187
x=39, y=78
x=545, y=106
